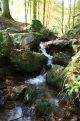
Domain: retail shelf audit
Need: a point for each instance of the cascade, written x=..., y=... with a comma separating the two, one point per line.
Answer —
x=41, y=78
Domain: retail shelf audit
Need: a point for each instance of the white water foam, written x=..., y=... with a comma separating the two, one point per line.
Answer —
x=41, y=78
x=43, y=50
x=37, y=80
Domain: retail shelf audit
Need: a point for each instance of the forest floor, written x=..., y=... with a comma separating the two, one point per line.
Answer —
x=6, y=23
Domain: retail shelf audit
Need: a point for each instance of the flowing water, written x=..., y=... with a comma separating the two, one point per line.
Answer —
x=43, y=50
x=41, y=78
x=16, y=113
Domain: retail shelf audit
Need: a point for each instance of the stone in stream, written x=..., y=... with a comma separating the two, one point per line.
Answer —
x=61, y=58
x=27, y=61
x=2, y=98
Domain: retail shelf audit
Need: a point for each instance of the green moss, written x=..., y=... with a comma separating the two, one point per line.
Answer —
x=72, y=76
x=36, y=25
x=21, y=40
x=73, y=67
x=6, y=44
x=1, y=36
x=61, y=58
x=27, y=61
x=44, y=108
x=28, y=94
x=55, y=76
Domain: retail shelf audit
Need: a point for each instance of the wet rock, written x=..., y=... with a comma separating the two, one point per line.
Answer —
x=2, y=98
x=61, y=58
x=55, y=76
x=27, y=61
x=58, y=44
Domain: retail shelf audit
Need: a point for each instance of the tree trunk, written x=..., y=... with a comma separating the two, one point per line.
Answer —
x=44, y=12
x=69, y=13
x=34, y=9
x=25, y=11
x=5, y=9
x=38, y=8
x=30, y=10
x=74, y=12
x=62, y=16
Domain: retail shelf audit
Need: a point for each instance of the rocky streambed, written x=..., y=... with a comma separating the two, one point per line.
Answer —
x=29, y=97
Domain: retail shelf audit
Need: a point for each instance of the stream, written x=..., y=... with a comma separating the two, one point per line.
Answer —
x=20, y=112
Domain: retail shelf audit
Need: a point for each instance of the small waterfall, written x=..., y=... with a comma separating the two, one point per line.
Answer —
x=41, y=78
x=43, y=50
x=37, y=80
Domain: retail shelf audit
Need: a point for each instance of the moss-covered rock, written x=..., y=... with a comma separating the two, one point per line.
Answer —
x=61, y=58
x=72, y=75
x=6, y=44
x=30, y=40
x=21, y=40
x=55, y=76
x=73, y=68
x=27, y=61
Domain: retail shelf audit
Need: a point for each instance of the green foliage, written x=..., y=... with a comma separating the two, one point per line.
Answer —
x=44, y=108
x=1, y=36
x=27, y=61
x=55, y=76
x=74, y=86
x=72, y=75
x=28, y=94
x=36, y=26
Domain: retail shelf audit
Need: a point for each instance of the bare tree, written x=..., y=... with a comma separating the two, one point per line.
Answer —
x=62, y=16
x=25, y=10
x=5, y=9
x=69, y=22
x=44, y=4
x=74, y=12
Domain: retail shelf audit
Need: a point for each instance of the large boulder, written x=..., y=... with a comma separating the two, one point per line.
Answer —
x=61, y=58
x=6, y=44
x=30, y=40
x=55, y=76
x=21, y=40
x=27, y=61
